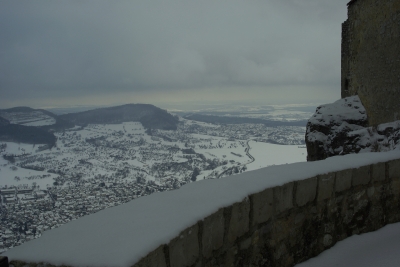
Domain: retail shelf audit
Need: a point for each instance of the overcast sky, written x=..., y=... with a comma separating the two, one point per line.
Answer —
x=61, y=53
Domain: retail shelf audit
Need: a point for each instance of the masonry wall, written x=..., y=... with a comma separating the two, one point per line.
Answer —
x=285, y=225
x=371, y=57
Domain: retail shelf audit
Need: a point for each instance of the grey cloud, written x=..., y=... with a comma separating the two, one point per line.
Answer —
x=75, y=48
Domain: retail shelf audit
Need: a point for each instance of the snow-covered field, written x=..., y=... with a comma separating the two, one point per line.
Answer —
x=270, y=154
x=12, y=175
x=109, y=149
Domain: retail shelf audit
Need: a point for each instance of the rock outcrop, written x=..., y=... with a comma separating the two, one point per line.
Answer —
x=342, y=128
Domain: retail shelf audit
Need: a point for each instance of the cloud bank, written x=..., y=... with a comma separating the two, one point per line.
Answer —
x=93, y=52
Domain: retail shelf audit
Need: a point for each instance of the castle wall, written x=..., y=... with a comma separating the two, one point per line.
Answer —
x=371, y=57
x=288, y=224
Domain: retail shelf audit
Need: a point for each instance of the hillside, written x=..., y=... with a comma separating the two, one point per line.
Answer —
x=26, y=134
x=30, y=126
x=39, y=118
x=3, y=122
x=35, y=126
x=149, y=115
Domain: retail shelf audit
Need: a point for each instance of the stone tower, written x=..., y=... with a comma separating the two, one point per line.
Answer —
x=371, y=57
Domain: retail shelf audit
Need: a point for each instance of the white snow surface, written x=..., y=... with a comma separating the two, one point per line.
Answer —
x=380, y=248
x=266, y=154
x=121, y=235
x=346, y=109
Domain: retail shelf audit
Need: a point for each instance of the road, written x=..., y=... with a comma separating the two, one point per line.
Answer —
x=247, y=151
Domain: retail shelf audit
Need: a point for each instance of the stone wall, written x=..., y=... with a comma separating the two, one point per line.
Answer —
x=371, y=58
x=285, y=225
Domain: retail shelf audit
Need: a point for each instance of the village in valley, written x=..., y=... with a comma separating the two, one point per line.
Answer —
x=97, y=166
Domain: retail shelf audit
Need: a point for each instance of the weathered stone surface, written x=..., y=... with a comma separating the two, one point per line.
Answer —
x=361, y=176
x=280, y=252
x=263, y=206
x=155, y=258
x=343, y=180
x=230, y=256
x=306, y=191
x=371, y=191
x=184, y=249
x=325, y=186
x=370, y=58
x=395, y=185
x=240, y=219
x=327, y=130
x=245, y=244
x=213, y=233
x=378, y=172
x=394, y=169
x=394, y=177
x=283, y=197
x=327, y=240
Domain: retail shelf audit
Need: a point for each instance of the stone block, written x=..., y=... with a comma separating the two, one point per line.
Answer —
x=327, y=240
x=326, y=183
x=361, y=176
x=306, y=191
x=283, y=197
x=213, y=233
x=240, y=219
x=184, y=249
x=154, y=258
x=3, y=261
x=263, y=206
x=371, y=191
x=395, y=186
x=343, y=180
x=394, y=169
x=378, y=172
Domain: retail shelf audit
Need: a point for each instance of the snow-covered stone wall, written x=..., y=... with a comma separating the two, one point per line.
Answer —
x=276, y=216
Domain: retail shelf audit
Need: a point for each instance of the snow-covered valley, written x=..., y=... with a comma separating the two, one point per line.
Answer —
x=103, y=165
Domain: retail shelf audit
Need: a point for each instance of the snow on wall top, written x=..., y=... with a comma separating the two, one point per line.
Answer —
x=120, y=236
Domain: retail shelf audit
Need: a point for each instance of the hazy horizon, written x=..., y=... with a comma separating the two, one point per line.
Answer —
x=171, y=52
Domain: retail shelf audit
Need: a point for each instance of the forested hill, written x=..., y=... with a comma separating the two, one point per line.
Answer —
x=39, y=118
x=26, y=134
x=35, y=126
x=149, y=115
x=30, y=126
x=241, y=120
x=3, y=122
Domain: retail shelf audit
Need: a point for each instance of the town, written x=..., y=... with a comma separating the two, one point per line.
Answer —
x=99, y=166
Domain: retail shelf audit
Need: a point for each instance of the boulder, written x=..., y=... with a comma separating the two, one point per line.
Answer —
x=327, y=130
x=342, y=128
